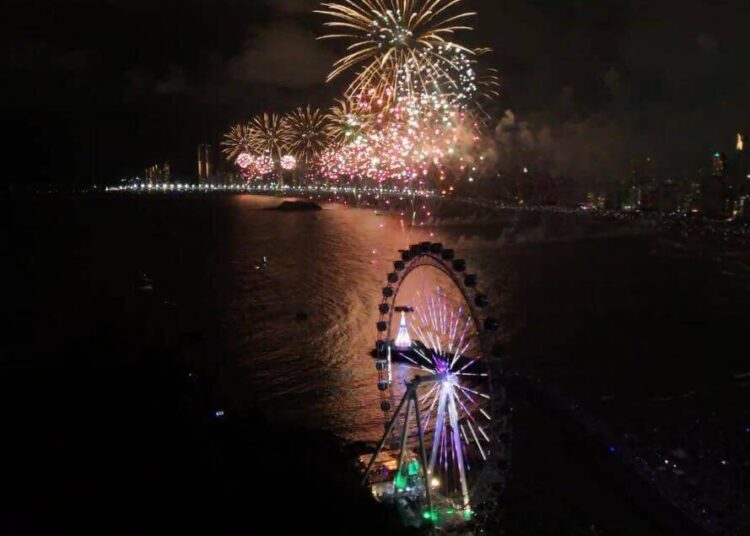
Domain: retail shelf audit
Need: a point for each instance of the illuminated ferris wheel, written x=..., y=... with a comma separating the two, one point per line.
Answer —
x=440, y=376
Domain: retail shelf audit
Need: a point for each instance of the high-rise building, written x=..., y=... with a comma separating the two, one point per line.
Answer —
x=205, y=162
x=726, y=192
x=200, y=161
x=719, y=165
x=712, y=187
x=158, y=173
x=740, y=164
x=742, y=181
x=151, y=173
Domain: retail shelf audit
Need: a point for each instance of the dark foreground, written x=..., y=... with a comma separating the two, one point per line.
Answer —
x=117, y=438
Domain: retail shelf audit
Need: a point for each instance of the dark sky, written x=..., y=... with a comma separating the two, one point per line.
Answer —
x=94, y=90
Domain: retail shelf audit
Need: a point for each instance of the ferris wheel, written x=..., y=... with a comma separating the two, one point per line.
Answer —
x=440, y=377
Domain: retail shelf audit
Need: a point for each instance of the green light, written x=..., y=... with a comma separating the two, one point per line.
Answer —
x=467, y=514
x=413, y=468
x=399, y=481
x=430, y=516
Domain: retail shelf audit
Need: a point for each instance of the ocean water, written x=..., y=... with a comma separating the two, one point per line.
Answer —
x=637, y=324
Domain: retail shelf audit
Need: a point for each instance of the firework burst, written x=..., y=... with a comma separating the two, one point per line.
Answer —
x=255, y=166
x=305, y=130
x=244, y=160
x=347, y=120
x=236, y=142
x=288, y=162
x=452, y=75
x=268, y=135
x=416, y=140
x=389, y=37
x=263, y=165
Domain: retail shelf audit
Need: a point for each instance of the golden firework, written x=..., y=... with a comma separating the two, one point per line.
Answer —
x=487, y=84
x=306, y=133
x=268, y=135
x=346, y=120
x=236, y=142
x=389, y=39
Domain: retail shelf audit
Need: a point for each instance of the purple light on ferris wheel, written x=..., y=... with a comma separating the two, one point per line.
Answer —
x=441, y=366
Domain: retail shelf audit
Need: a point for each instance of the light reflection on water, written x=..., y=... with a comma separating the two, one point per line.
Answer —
x=331, y=265
x=565, y=288
x=601, y=309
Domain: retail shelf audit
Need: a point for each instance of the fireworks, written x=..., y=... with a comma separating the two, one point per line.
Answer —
x=244, y=160
x=418, y=89
x=253, y=166
x=305, y=131
x=236, y=142
x=268, y=135
x=288, y=162
x=391, y=37
x=418, y=139
x=347, y=120
x=263, y=165
x=412, y=114
x=450, y=74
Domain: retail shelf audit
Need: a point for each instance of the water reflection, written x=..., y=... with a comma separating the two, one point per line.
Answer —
x=564, y=287
x=330, y=265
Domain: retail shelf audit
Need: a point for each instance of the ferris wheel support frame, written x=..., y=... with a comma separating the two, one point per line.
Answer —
x=409, y=398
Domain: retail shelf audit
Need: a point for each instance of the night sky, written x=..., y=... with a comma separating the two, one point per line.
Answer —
x=94, y=90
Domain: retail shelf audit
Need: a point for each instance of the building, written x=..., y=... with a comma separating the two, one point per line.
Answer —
x=724, y=190
x=719, y=165
x=741, y=169
x=713, y=188
x=205, y=162
x=158, y=173
x=742, y=181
